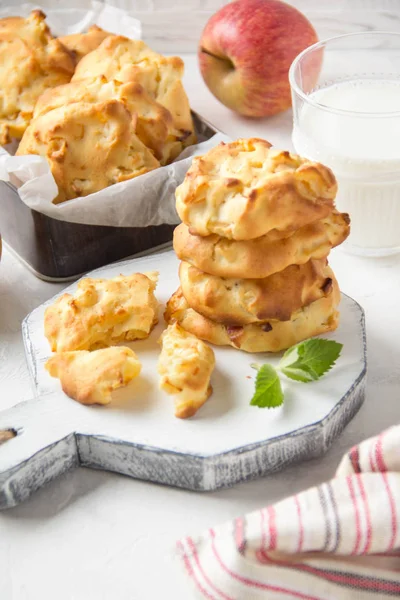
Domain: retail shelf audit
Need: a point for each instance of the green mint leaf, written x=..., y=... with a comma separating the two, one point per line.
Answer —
x=268, y=391
x=310, y=360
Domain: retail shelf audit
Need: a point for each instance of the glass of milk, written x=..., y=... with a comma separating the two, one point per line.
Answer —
x=346, y=113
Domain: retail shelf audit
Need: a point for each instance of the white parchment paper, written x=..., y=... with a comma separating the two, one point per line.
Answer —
x=146, y=200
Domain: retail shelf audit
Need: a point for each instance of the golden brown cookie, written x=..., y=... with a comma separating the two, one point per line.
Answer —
x=125, y=60
x=185, y=366
x=153, y=123
x=103, y=312
x=13, y=25
x=244, y=301
x=245, y=189
x=262, y=256
x=90, y=377
x=33, y=29
x=80, y=44
x=317, y=318
x=88, y=147
x=31, y=61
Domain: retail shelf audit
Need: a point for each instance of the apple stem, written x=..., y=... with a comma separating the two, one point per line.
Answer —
x=223, y=59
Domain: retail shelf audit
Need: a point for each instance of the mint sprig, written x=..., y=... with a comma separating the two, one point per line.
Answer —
x=305, y=362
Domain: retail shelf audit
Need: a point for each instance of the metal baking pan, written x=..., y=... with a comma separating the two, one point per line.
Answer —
x=59, y=250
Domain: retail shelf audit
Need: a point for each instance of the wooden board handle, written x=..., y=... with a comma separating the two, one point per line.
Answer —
x=33, y=451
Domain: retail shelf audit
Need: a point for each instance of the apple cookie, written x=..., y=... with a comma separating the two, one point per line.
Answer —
x=244, y=301
x=91, y=377
x=126, y=60
x=263, y=256
x=103, y=312
x=317, y=318
x=88, y=147
x=31, y=60
x=245, y=189
x=185, y=366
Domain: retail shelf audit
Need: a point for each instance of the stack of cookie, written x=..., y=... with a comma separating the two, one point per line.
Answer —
x=258, y=225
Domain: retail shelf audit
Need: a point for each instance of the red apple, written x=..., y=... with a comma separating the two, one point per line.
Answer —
x=245, y=53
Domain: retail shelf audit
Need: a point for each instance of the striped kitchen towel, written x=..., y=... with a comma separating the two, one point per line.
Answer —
x=337, y=541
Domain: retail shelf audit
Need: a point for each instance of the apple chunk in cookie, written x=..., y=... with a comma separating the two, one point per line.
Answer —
x=90, y=377
x=103, y=312
x=185, y=367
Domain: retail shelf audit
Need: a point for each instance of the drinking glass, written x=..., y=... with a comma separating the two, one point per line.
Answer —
x=346, y=115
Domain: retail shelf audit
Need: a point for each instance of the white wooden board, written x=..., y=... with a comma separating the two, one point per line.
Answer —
x=226, y=442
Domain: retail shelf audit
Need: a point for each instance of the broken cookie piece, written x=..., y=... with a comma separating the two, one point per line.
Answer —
x=103, y=312
x=90, y=377
x=185, y=366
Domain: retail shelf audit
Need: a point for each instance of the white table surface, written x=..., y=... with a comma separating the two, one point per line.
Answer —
x=95, y=535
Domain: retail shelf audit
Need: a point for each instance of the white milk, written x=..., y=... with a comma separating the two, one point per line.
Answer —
x=363, y=150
